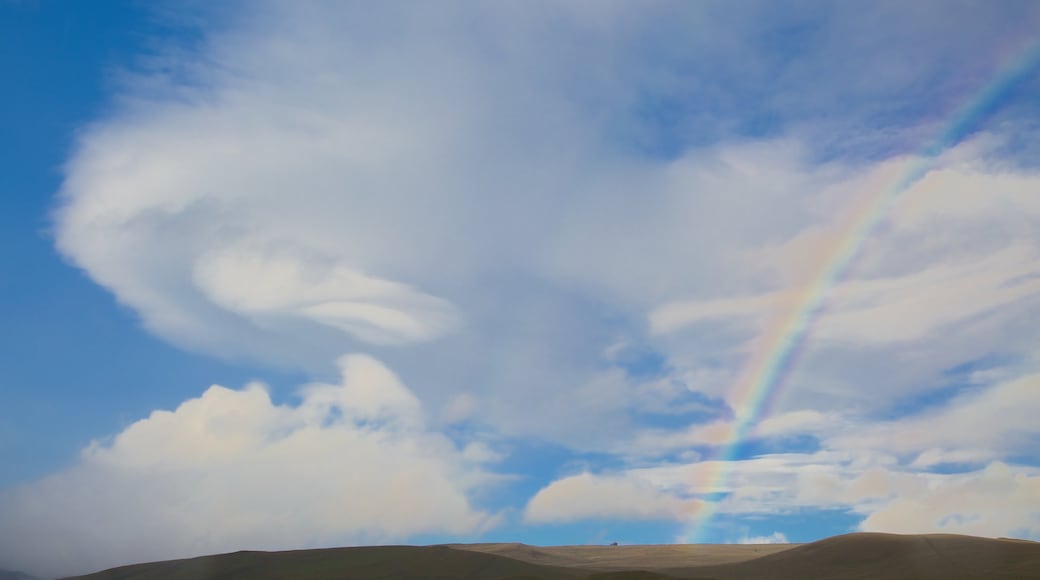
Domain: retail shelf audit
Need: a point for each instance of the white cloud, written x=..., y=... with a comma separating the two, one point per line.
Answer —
x=304, y=188
x=265, y=286
x=795, y=422
x=350, y=463
x=923, y=275
x=774, y=538
x=996, y=501
x=655, y=442
x=459, y=409
x=883, y=469
x=590, y=496
x=1002, y=418
x=916, y=306
x=999, y=499
x=949, y=277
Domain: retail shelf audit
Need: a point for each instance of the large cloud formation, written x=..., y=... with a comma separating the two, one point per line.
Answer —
x=529, y=210
x=485, y=182
x=350, y=463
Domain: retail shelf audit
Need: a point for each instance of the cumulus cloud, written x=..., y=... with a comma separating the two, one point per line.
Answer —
x=590, y=496
x=350, y=463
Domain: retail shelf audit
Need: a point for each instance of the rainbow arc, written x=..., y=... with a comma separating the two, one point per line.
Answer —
x=781, y=345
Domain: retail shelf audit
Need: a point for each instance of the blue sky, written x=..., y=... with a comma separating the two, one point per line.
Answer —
x=284, y=275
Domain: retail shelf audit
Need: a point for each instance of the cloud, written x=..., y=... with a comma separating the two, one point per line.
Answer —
x=997, y=501
x=774, y=538
x=491, y=199
x=589, y=496
x=971, y=251
x=949, y=277
x=1001, y=416
x=302, y=189
x=267, y=286
x=350, y=463
x=920, y=473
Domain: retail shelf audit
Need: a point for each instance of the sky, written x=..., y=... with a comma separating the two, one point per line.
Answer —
x=303, y=274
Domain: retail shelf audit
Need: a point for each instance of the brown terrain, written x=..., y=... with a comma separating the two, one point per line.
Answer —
x=852, y=556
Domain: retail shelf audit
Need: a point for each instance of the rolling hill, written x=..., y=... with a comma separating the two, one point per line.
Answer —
x=852, y=556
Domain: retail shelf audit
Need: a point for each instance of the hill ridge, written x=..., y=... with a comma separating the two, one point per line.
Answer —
x=849, y=556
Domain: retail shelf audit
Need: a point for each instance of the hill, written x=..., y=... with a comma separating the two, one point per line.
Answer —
x=355, y=563
x=874, y=555
x=852, y=556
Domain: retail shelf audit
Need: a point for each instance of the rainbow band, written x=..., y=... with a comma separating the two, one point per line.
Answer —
x=780, y=349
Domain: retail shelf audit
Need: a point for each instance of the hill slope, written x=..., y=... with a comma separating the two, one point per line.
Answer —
x=873, y=555
x=355, y=563
x=634, y=557
x=852, y=556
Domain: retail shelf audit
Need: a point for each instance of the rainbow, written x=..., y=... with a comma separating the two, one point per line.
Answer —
x=780, y=346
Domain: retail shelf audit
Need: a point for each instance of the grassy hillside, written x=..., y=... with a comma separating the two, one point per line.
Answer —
x=873, y=556
x=870, y=556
